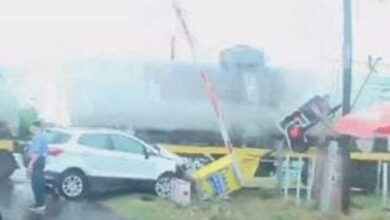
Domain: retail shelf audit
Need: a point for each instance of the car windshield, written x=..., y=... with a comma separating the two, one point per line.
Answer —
x=57, y=137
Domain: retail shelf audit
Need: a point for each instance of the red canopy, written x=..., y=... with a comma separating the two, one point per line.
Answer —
x=366, y=123
x=384, y=130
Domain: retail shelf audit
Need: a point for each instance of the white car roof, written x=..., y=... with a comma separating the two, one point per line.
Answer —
x=79, y=130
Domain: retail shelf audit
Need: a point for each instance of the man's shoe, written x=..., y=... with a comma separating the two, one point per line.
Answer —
x=38, y=209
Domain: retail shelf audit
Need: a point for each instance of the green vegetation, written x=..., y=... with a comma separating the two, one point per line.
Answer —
x=245, y=205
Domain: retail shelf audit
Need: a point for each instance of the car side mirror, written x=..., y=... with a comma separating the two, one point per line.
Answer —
x=146, y=153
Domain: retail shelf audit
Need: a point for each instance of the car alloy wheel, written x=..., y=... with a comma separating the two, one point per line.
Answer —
x=72, y=186
x=163, y=186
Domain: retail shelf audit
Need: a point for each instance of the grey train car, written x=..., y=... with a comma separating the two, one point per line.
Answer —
x=166, y=102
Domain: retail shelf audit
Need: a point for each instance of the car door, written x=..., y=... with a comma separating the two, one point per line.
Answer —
x=131, y=158
x=98, y=155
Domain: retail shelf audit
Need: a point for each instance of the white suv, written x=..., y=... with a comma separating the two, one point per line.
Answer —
x=82, y=158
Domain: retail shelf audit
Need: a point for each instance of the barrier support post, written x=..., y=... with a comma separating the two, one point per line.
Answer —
x=299, y=181
x=311, y=176
x=385, y=186
x=286, y=176
x=378, y=177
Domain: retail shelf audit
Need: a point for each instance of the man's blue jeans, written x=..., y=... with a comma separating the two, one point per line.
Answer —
x=38, y=181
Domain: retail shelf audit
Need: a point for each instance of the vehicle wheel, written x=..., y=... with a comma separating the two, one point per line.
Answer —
x=73, y=185
x=163, y=185
x=7, y=164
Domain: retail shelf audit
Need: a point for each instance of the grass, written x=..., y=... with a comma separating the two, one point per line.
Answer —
x=244, y=205
x=368, y=207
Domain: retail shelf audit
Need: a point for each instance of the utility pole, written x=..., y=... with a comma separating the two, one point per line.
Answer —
x=344, y=148
x=334, y=195
x=347, y=57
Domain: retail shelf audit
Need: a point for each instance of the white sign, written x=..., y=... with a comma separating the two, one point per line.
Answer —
x=181, y=192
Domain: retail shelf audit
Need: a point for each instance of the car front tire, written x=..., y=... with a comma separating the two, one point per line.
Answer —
x=163, y=185
x=73, y=185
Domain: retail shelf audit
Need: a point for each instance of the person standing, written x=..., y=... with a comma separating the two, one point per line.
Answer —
x=37, y=152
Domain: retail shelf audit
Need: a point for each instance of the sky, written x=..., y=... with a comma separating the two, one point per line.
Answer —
x=300, y=33
x=39, y=36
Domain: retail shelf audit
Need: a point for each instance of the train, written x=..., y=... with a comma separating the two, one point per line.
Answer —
x=166, y=101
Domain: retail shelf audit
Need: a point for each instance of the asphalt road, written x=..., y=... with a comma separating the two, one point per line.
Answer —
x=16, y=197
